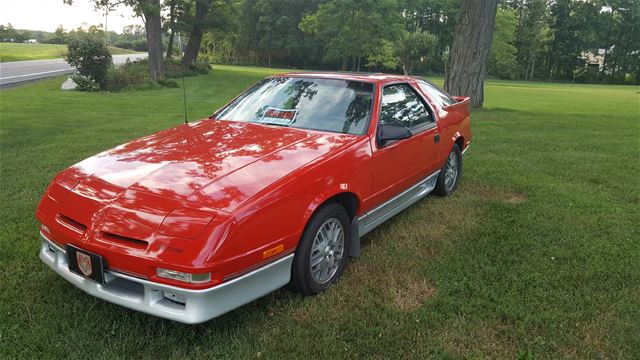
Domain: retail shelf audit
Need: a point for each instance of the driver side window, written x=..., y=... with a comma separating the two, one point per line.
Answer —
x=401, y=105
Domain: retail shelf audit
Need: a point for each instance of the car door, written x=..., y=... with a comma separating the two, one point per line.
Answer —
x=400, y=164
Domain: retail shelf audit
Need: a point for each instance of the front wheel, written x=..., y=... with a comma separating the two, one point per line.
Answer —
x=321, y=255
x=450, y=173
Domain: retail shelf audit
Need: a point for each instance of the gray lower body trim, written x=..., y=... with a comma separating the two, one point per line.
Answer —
x=384, y=212
x=147, y=296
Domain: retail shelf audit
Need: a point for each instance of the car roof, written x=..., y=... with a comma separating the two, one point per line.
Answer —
x=352, y=76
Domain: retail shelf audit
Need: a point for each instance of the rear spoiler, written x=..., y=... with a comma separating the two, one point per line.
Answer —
x=460, y=101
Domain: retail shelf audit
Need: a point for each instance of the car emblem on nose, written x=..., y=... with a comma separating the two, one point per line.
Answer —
x=84, y=263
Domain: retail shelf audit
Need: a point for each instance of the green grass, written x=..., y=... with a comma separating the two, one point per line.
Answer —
x=537, y=254
x=21, y=51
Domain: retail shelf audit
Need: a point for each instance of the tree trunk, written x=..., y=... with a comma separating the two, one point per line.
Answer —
x=467, y=63
x=195, y=38
x=533, y=66
x=172, y=19
x=170, y=45
x=153, y=25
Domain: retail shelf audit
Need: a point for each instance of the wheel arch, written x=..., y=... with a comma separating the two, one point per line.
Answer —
x=349, y=200
x=351, y=203
x=458, y=139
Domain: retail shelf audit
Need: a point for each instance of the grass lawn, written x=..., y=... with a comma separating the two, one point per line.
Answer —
x=22, y=51
x=536, y=255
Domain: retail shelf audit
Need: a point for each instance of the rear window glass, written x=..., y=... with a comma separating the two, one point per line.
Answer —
x=332, y=105
x=439, y=96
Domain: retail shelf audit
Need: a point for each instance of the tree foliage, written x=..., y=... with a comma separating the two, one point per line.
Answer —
x=353, y=29
x=415, y=47
x=91, y=57
x=565, y=40
x=502, y=58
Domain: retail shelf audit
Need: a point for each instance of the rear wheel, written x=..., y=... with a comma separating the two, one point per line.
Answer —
x=321, y=255
x=450, y=174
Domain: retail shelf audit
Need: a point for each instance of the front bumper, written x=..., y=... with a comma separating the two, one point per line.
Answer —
x=148, y=297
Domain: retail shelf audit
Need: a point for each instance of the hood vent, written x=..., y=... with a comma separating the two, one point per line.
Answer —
x=123, y=240
x=71, y=224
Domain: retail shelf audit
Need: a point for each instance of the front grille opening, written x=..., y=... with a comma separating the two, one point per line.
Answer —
x=72, y=224
x=126, y=288
x=124, y=240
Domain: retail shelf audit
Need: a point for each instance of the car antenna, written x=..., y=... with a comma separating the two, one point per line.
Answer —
x=184, y=98
x=184, y=90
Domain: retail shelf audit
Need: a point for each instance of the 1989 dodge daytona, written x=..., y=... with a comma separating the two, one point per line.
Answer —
x=275, y=188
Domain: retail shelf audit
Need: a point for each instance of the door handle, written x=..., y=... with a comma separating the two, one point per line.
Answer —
x=436, y=138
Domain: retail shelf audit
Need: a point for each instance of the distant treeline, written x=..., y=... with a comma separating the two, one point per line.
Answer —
x=551, y=40
x=133, y=36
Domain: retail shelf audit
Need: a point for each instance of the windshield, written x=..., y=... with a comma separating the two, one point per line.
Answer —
x=318, y=104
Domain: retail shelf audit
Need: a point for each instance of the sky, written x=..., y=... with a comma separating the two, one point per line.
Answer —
x=47, y=15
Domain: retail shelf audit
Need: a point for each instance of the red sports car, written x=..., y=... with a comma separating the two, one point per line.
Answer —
x=275, y=188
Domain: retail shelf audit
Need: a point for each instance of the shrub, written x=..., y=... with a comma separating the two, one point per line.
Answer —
x=135, y=74
x=173, y=68
x=85, y=83
x=168, y=83
x=91, y=57
x=130, y=74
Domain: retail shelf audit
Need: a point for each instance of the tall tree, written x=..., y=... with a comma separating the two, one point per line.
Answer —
x=197, y=30
x=502, y=58
x=208, y=15
x=352, y=29
x=171, y=28
x=149, y=10
x=413, y=48
x=437, y=17
x=532, y=34
x=59, y=36
x=621, y=39
x=466, y=67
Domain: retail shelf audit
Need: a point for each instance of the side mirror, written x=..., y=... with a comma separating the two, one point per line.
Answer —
x=391, y=132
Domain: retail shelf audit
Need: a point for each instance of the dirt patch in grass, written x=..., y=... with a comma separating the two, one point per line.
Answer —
x=495, y=193
x=516, y=199
x=594, y=342
x=390, y=272
x=480, y=341
x=413, y=295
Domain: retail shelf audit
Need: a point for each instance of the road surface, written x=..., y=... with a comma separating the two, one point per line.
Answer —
x=19, y=71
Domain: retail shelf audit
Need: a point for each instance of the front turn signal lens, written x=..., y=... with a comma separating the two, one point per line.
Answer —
x=182, y=276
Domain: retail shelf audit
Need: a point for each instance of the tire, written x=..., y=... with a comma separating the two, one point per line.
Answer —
x=316, y=244
x=445, y=185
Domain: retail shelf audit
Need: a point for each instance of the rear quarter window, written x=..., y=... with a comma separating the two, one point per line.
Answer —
x=438, y=96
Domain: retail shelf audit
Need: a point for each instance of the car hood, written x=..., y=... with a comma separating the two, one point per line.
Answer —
x=193, y=162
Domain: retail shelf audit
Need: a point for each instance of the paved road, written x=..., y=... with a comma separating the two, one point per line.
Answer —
x=19, y=71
